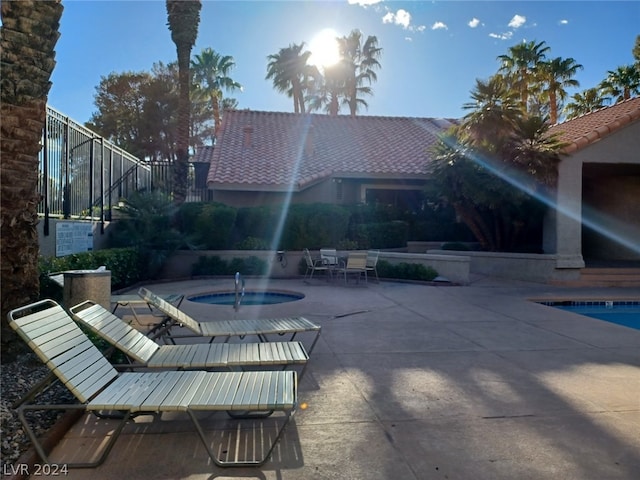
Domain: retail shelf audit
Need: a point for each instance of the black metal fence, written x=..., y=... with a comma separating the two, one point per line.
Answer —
x=84, y=176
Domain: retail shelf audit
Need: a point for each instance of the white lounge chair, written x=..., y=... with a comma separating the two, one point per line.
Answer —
x=47, y=328
x=261, y=327
x=145, y=352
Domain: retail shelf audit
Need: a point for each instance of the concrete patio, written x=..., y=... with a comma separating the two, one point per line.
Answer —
x=418, y=382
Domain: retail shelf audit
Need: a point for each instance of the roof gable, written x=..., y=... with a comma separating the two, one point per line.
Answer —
x=290, y=151
x=584, y=130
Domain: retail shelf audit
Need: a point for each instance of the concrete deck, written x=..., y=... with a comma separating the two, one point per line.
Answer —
x=419, y=382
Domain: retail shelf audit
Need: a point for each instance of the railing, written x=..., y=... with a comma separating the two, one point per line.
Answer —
x=83, y=175
x=239, y=290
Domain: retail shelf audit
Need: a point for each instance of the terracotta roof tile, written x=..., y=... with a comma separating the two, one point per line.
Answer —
x=288, y=150
x=583, y=131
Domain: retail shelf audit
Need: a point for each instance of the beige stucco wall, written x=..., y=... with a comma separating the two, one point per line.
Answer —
x=564, y=227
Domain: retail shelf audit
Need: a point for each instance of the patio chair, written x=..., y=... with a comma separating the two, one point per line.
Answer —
x=372, y=262
x=76, y=362
x=330, y=259
x=260, y=327
x=356, y=264
x=313, y=265
x=145, y=352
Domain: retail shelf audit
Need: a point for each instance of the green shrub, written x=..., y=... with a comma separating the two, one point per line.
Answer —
x=252, y=243
x=381, y=235
x=455, y=246
x=406, y=271
x=124, y=263
x=213, y=226
x=217, y=266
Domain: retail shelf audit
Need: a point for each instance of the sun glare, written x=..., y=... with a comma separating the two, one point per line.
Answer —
x=324, y=48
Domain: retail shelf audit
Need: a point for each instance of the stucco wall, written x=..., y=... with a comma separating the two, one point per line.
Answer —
x=454, y=268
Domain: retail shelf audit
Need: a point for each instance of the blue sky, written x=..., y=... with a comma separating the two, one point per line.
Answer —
x=432, y=51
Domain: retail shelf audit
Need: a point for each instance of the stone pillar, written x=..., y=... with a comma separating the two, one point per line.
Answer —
x=81, y=285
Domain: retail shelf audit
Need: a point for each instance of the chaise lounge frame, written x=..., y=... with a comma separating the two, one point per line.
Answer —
x=58, y=341
x=226, y=328
x=145, y=352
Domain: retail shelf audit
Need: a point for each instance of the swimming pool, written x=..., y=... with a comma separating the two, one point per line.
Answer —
x=626, y=313
x=257, y=297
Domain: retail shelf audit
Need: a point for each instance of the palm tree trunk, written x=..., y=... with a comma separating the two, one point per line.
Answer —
x=29, y=36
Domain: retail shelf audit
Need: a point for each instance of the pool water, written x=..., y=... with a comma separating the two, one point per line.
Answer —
x=626, y=313
x=250, y=298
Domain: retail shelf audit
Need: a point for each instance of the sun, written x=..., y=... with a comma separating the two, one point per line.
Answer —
x=324, y=48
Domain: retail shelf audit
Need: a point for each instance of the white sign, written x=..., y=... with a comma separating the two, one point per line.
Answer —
x=73, y=237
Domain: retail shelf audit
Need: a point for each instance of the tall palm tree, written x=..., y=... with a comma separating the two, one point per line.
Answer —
x=360, y=60
x=28, y=38
x=585, y=102
x=211, y=76
x=291, y=74
x=183, y=19
x=520, y=66
x=556, y=75
x=327, y=90
x=622, y=83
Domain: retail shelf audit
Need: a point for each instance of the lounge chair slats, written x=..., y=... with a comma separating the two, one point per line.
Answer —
x=99, y=387
x=201, y=355
x=230, y=328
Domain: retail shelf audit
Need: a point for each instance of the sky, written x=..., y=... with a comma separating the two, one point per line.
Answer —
x=433, y=51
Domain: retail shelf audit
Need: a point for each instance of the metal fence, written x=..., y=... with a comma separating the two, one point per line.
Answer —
x=84, y=176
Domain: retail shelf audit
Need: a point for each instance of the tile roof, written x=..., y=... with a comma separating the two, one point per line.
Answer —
x=202, y=154
x=587, y=129
x=282, y=151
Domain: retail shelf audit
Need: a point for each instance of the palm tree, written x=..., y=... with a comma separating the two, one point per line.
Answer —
x=556, y=75
x=29, y=32
x=585, y=102
x=494, y=109
x=184, y=17
x=211, y=77
x=326, y=90
x=360, y=60
x=622, y=83
x=520, y=67
x=290, y=73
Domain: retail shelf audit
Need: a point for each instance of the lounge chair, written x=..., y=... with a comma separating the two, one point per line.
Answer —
x=145, y=352
x=226, y=328
x=58, y=341
x=314, y=265
x=356, y=264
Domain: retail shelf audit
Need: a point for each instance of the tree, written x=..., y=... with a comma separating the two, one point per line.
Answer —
x=29, y=32
x=211, y=76
x=556, y=75
x=183, y=19
x=520, y=67
x=290, y=73
x=360, y=62
x=585, y=102
x=326, y=90
x=622, y=83
x=494, y=108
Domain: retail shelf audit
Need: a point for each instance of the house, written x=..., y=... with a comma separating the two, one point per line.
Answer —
x=266, y=158
x=597, y=218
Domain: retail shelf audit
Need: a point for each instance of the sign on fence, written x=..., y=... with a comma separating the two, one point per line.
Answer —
x=73, y=237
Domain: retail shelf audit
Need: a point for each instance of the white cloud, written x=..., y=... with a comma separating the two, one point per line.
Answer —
x=502, y=36
x=474, y=22
x=421, y=28
x=439, y=26
x=408, y=39
x=564, y=22
x=364, y=3
x=517, y=21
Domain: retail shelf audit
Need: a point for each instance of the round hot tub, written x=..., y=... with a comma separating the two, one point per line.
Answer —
x=255, y=297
